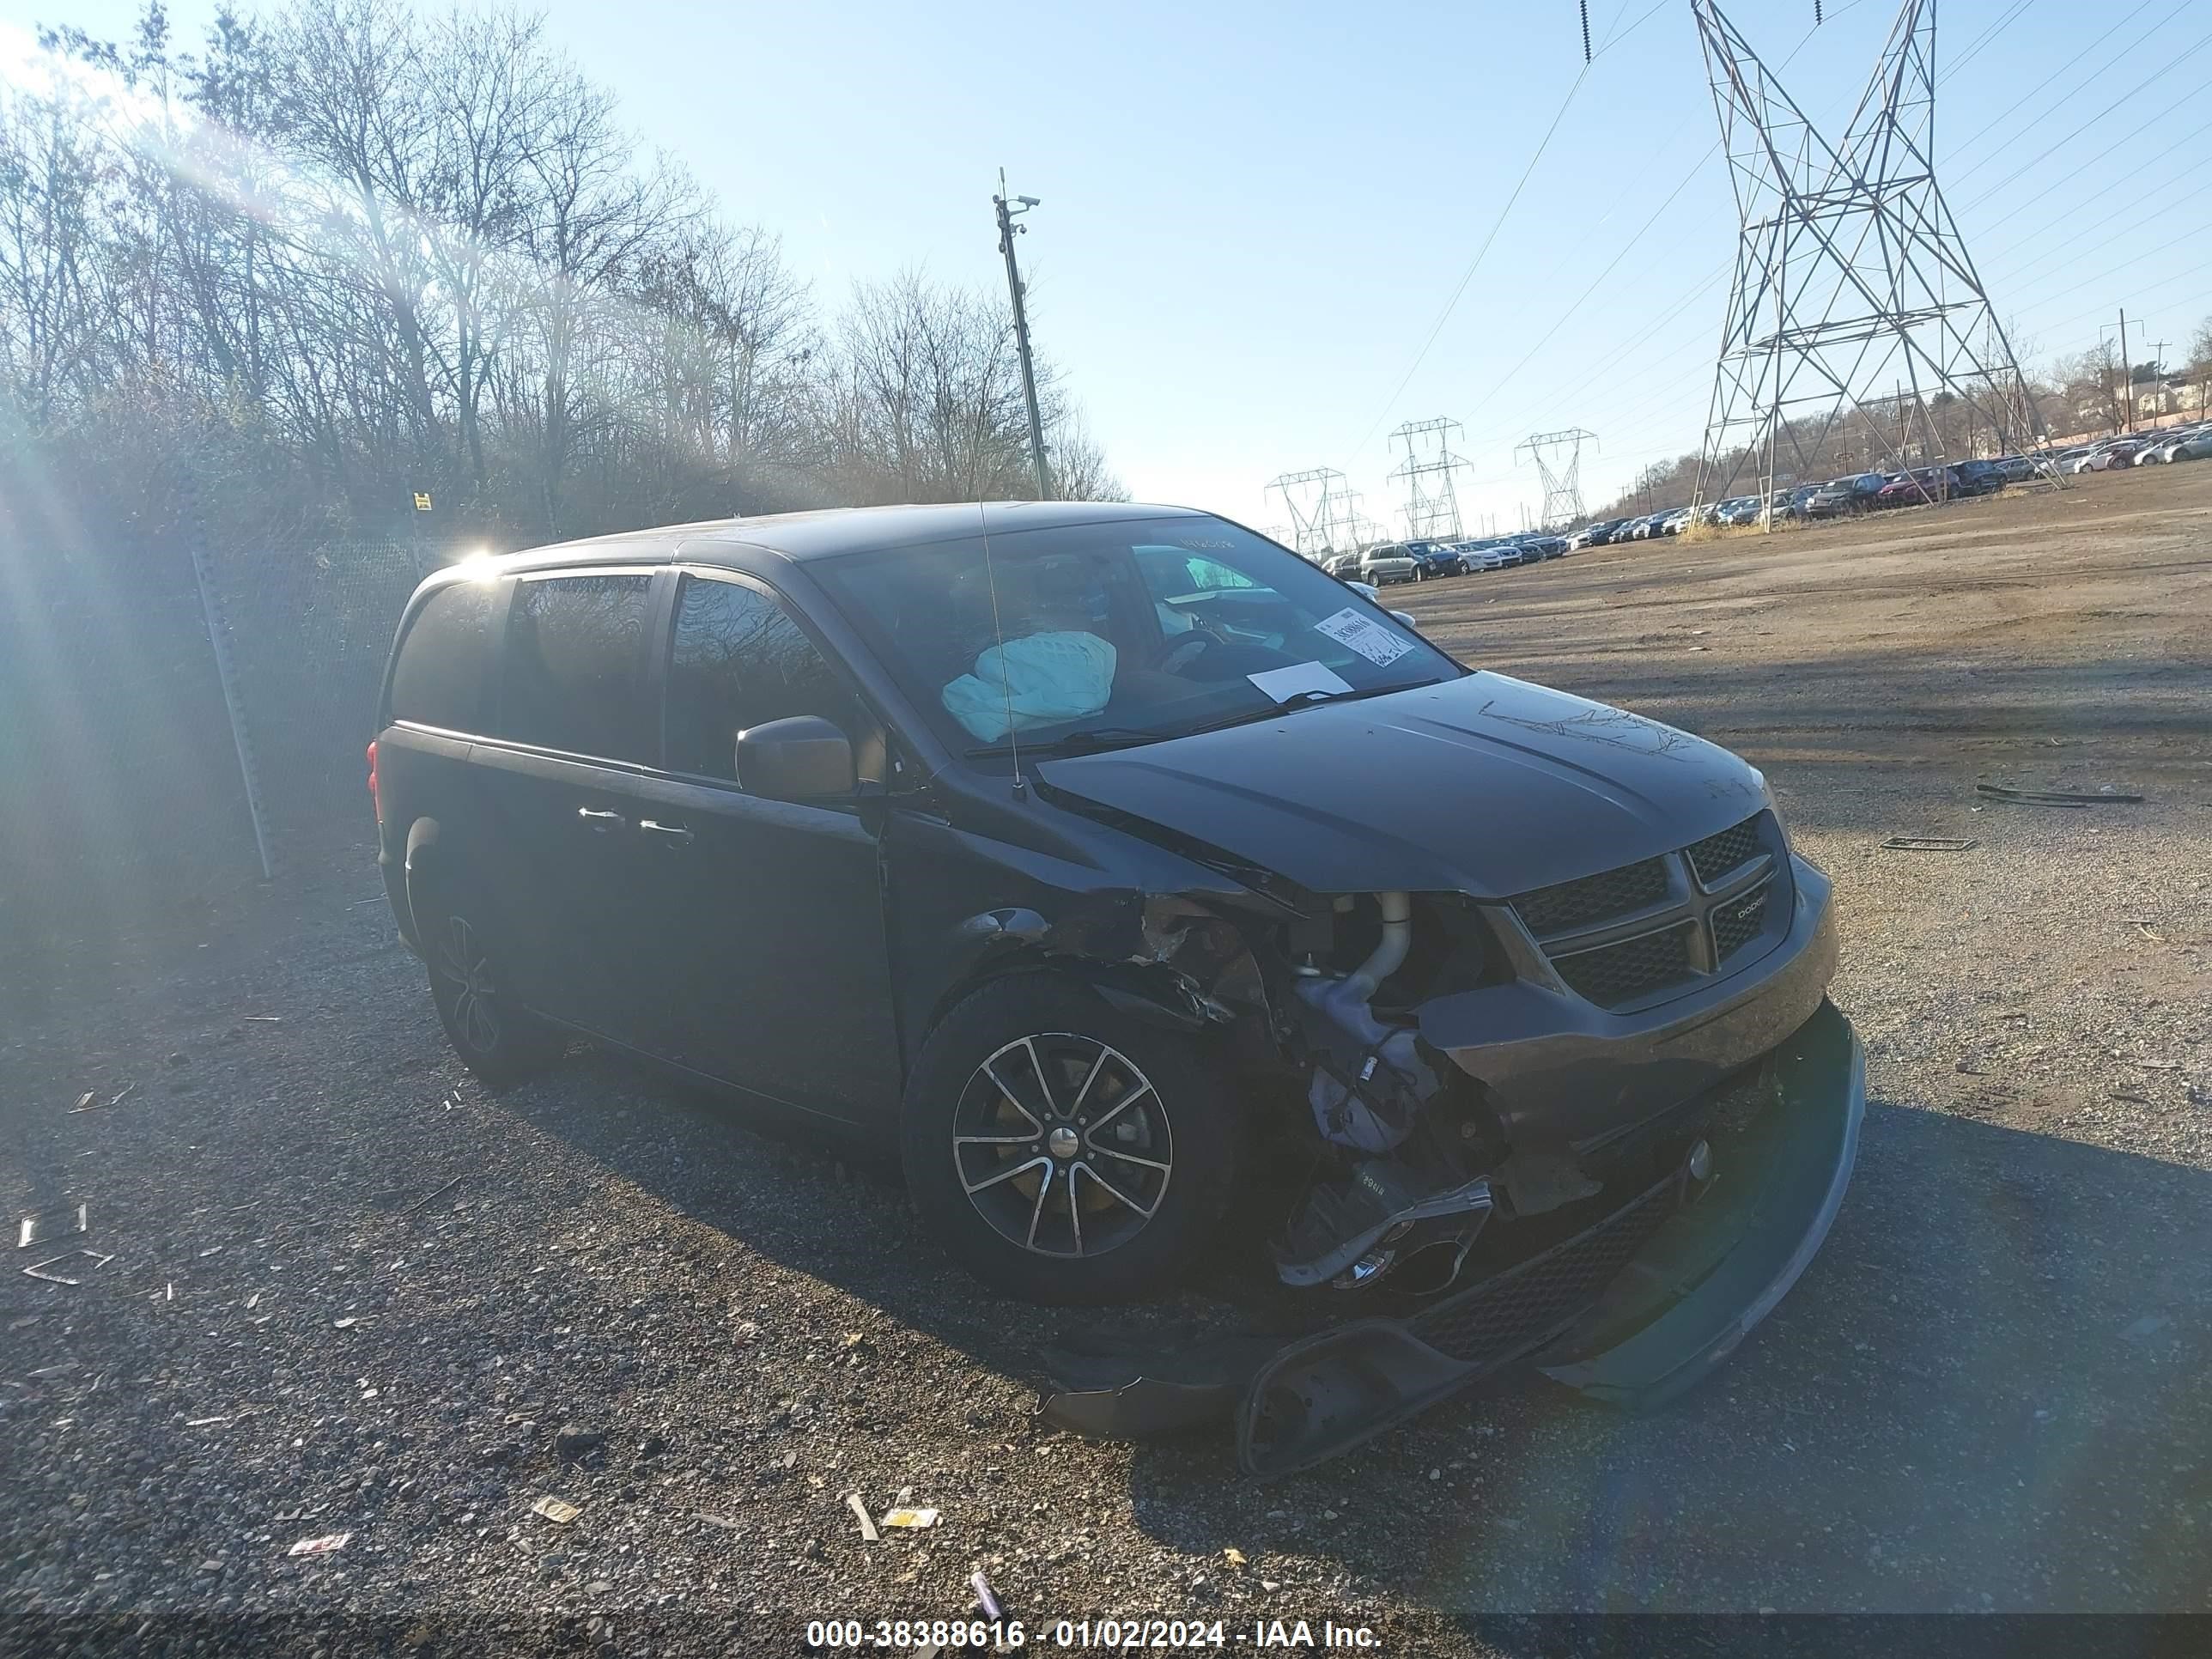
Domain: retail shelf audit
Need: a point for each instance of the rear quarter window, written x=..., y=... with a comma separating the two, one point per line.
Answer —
x=445, y=660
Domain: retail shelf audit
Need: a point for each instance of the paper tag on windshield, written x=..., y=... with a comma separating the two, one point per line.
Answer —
x=1365, y=635
x=1284, y=683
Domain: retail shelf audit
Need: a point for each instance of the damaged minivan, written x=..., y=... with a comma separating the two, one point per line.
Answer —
x=1119, y=867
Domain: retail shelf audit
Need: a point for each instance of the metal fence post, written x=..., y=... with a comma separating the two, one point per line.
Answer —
x=226, y=670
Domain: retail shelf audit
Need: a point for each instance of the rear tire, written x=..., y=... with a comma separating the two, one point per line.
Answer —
x=1064, y=1152
x=496, y=1039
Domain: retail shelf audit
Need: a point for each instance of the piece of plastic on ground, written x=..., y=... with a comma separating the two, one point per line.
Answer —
x=860, y=1513
x=322, y=1546
x=915, y=1519
x=556, y=1509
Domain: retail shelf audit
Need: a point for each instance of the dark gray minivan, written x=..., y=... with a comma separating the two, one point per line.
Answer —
x=1118, y=866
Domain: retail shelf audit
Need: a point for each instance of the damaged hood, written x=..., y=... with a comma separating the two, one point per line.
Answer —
x=1484, y=784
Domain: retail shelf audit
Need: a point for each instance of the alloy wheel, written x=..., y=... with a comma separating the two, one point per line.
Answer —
x=1062, y=1144
x=465, y=971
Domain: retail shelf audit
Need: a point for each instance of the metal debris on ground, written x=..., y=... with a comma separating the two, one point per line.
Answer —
x=559, y=1510
x=861, y=1512
x=2057, y=797
x=85, y=1100
x=913, y=1519
x=323, y=1546
x=45, y=1228
x=1931, y=843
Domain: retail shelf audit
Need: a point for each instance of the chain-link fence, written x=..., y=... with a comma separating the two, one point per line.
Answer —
x=127, y=740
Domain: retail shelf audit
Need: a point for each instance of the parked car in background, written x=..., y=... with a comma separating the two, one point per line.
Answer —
x=2112, y=453
x=1386, y=564
x=2195, y=447
x=1980, y=477
x=1853, y=494
x=1674, y=522
x=1343, y=565
x=1921, y=486
x=1435, y=559
x=1737, y=510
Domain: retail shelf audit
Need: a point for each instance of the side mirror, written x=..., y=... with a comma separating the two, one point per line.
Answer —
x=1409, y=618
x=802, y=759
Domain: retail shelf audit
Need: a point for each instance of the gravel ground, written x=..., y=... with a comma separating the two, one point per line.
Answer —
x=339, y=1288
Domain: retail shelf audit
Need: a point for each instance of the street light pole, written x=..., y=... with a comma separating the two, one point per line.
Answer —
x=1007, y=228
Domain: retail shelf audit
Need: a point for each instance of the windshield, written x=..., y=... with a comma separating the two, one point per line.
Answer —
x=1129, y=632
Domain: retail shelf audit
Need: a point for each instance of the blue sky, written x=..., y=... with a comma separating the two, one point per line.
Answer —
x=1253, y=215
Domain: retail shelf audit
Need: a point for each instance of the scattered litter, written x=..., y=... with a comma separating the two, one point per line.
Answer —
x=37, y=1269
x=2149, y=932
x=253, y=1302
x=1233, y=1556
x=717, y=1520
x=2131, y=1098
x=557, y=1510
x=2157, y=1064
x=914, y=1519
x=424, y=1203
x=345, y=1324
x=861, y=1511
x=323, y=1546
x=54, y=1224
x=84, y=1101
x=203, y=1422
x=264, y=1019
x=990, y=1602
x=2056, y=797
x=1931, y=843
x=124, y=1094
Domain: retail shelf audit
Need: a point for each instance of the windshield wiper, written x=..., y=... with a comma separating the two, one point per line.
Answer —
x=1086, y=742
x=1311, y=698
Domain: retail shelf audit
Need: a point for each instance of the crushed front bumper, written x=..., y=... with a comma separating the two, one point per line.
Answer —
x=1637, y=1306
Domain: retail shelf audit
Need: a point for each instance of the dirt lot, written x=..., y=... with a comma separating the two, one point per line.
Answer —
x=351, y=1291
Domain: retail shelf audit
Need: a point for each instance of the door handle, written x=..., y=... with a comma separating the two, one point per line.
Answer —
x=674, y=834
x=601, y=821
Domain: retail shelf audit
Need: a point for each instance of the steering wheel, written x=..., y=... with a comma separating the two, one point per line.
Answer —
x=1185, y=651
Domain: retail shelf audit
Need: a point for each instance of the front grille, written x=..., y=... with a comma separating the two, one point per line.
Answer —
x=1738, y=922
x=1716, y=855
x=1504, y=1317
x=1570, y=904
x=1614, y=973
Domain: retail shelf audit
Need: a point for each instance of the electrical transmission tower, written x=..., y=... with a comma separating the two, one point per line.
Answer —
x=1429, y=472
x=1851, y=280
x=1563, y=484
x=1317, y=503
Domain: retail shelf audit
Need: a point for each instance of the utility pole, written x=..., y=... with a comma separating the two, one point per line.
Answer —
x=2158, y=368
x=2127, y=379
x=1007, y=230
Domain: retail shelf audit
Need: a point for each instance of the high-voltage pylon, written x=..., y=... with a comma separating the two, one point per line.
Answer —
x=1852, y=279
x=1429, y=473
x=1563, y=483
x=1315, y=501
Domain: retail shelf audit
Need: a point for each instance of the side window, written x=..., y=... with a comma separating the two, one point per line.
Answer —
x=576, y=666
x=439, y=679
x=739, y=661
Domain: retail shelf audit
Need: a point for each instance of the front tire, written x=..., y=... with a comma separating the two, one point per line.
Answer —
x=494, y=1036
x=1062, y=1151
